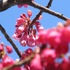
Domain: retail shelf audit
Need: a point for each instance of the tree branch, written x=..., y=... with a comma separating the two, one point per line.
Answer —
x=49, y=3
x=38, y=15
x=33, y=4
x=47, y=10
x=5, y=4
x=10, y=40
x=20, y=63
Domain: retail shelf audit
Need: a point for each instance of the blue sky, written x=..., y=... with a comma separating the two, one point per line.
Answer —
x=8, y=18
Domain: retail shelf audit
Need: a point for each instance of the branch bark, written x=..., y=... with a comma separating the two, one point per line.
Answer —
x=38, y=15
x=10, y=40
x=33, y=4
x=47, y=10
x=5, y=4
x=20, y=63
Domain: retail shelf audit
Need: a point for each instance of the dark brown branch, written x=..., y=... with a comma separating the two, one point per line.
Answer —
x=20, y=63
x=10, y=40
x=47, y=10
x=49, y=4
x=38, y=15
x=5, y=4
x=33, y=4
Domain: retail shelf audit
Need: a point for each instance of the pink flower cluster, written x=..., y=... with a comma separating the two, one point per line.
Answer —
x=24, y=34
x=53, y=44
x=5, y=48
x=46, y=60
x=57, y=38
x=7, y=61
x=56, y=41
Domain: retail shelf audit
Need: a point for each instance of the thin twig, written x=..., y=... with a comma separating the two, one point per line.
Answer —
x=47, y=10
x=20, y=63
x=49, y=3
x=10, y=40
x=38, y=15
